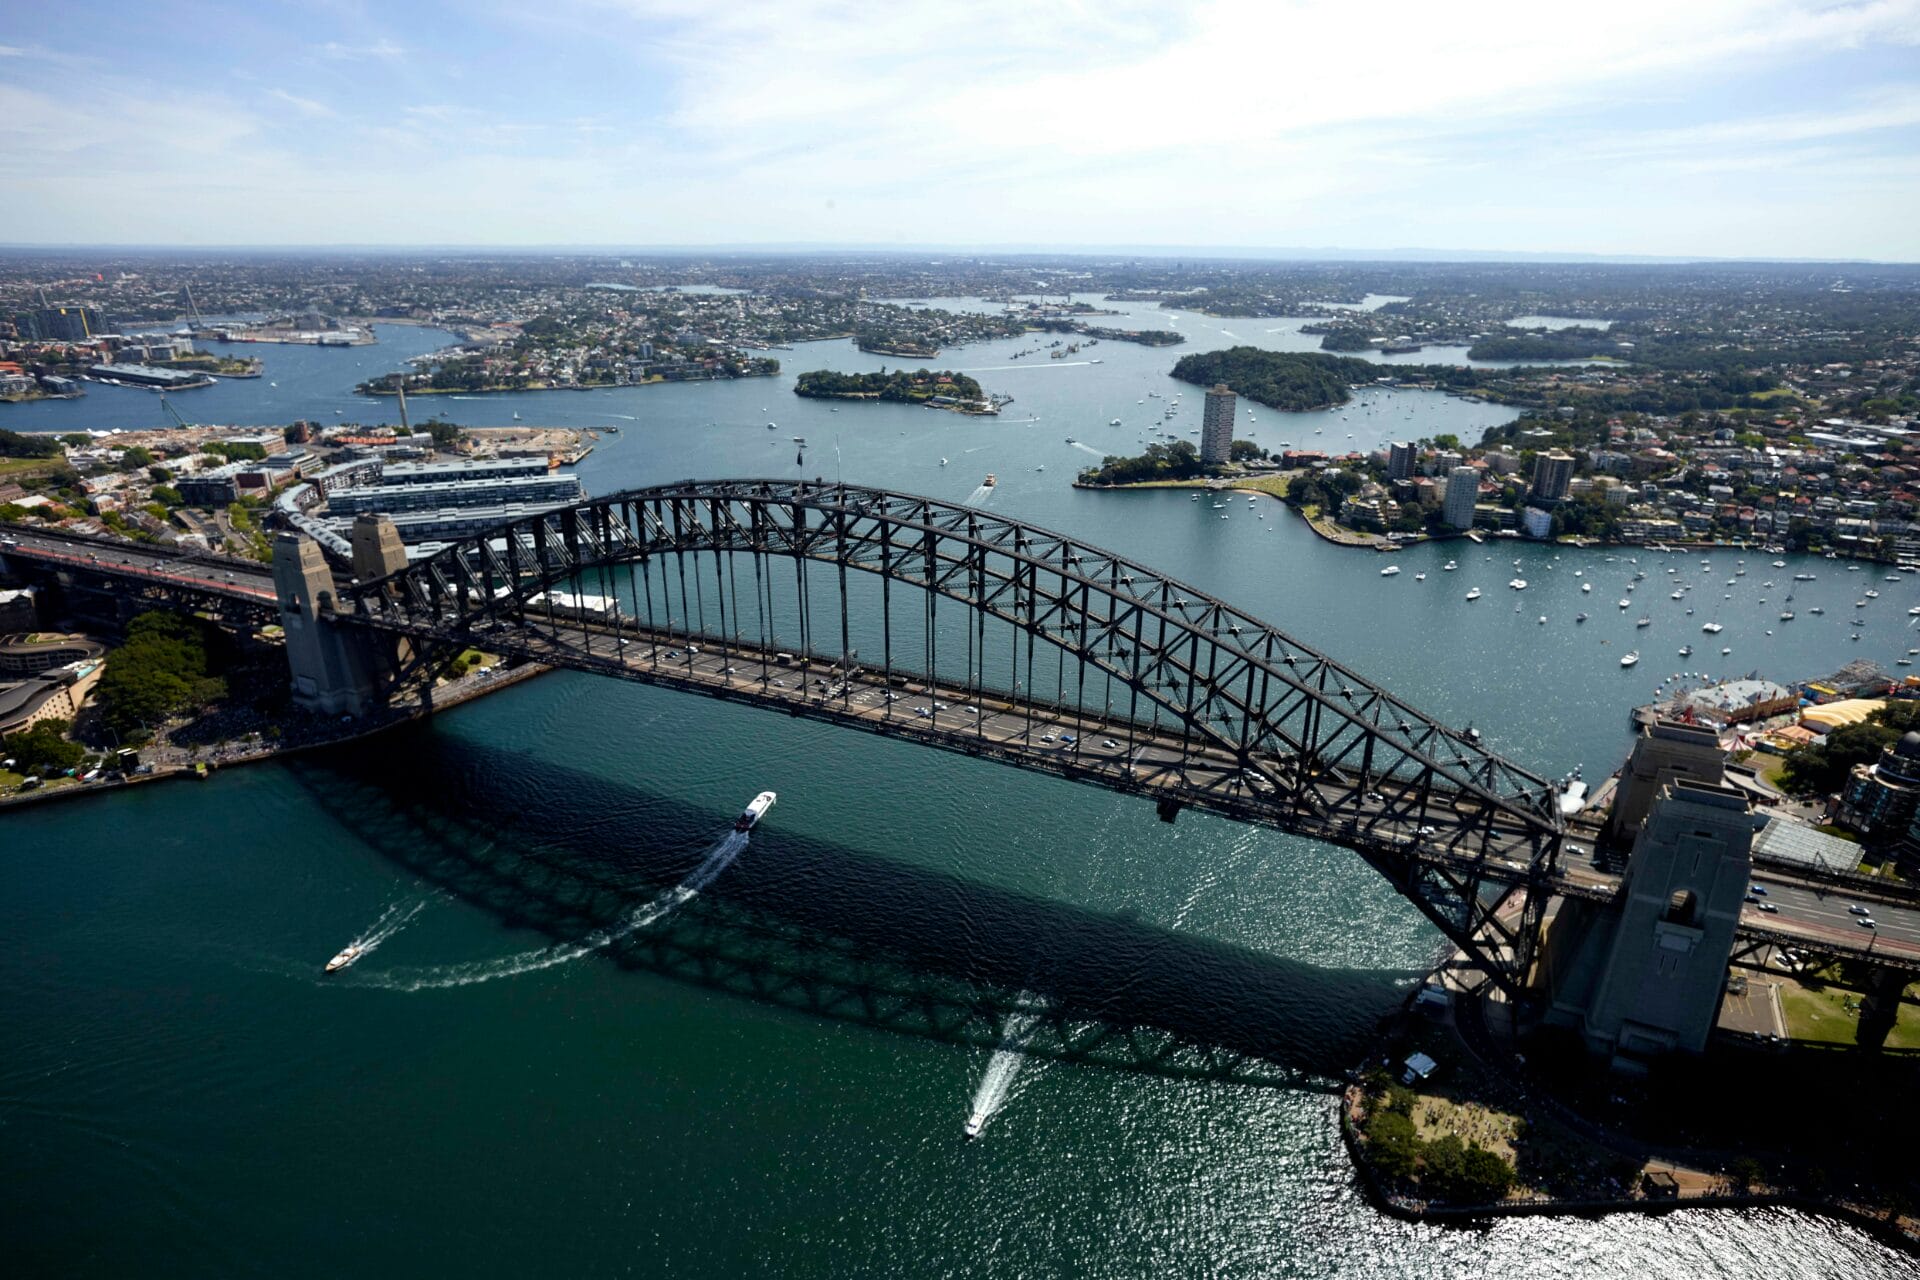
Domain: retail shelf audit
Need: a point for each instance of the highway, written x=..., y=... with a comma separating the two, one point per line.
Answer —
x=1123, y=754
x=246, y=579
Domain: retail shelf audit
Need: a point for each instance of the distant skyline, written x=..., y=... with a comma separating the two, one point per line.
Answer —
x=1709, y=129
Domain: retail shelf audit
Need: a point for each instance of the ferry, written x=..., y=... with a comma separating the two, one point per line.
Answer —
x=756, y=809
x=1630, y=659
x=989, y=482
x=346, y=957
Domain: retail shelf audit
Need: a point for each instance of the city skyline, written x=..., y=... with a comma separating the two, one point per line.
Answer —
x=1776, y=129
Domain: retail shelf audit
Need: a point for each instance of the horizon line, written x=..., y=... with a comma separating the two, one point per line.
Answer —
x=1324, y=254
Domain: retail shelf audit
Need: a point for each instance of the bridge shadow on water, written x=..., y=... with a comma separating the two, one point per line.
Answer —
x=837, y=932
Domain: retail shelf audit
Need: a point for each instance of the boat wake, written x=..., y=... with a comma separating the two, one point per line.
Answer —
x=436, y=977
x=1087, y=448
x=996, y=1082
x=978, y=498
x=392, y=920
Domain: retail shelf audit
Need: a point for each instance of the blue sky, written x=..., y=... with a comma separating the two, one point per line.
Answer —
x=1722, y=128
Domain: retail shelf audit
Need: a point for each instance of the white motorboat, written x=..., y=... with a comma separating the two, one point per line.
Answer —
x=1630, y=659
x=1474, y=594
x=756, y=809
x=975, y=1123
x=1390, y=570
x=348, y=954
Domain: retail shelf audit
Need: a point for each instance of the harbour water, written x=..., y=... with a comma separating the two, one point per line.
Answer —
x=183, y=1090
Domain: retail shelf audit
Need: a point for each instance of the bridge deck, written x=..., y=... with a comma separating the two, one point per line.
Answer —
x=1123, y=755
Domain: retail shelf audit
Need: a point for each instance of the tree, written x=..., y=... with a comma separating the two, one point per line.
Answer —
x=43, y=748
x=134, y=457
x=1245, y=451
x=162, y=668
x=1392, y=1142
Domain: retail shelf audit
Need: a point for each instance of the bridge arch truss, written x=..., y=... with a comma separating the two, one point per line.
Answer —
x=852, y=604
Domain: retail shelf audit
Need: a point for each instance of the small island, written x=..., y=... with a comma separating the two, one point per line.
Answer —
x=943, y=389
x=1291, y=380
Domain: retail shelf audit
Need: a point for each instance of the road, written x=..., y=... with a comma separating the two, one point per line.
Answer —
x=224, y=575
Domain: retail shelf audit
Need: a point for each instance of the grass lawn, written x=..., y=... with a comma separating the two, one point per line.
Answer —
x=1823, y=1016
x=26, y=466
x=1767, y=767
x=1276, y=486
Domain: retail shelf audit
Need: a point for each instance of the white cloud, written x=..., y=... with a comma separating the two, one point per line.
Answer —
x=305, y=106
x=381, y=48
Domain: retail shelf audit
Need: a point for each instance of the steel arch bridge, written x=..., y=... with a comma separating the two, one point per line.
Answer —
x=953, y=627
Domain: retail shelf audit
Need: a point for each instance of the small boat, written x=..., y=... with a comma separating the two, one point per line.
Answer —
x=1071, y=440
x=756, y=809
x=1390, y=570
x=1474, y=594
x=1420, y=577
x=1871, y=594
x=1644, y=622
x=1630, y=659
x=989, y=482
x=1450, y=566
x=1586, y=586
x=1624, y=604
x=943, y=462
x=1579, y=617
x=1114, y=423
x=347, y=956
x=1787, y=616
x=1543, y=619
x=1725, y=651
x=1686, y=651
x=1518, y=584
x=1713, y=628
x=799, y=439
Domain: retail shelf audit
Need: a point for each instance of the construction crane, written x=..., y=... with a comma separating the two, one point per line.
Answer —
x=199, y=323
x=168, y=406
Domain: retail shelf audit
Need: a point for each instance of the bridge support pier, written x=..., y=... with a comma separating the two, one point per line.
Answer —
x=1644, y=974
x=1168, y=808
x=331, y=667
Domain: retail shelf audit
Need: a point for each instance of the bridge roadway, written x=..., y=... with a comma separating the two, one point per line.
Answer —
x=1809, y=915
x=228, y=576
x=1130, y=757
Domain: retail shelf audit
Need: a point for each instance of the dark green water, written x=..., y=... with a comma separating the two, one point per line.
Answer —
x=527, y=1078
